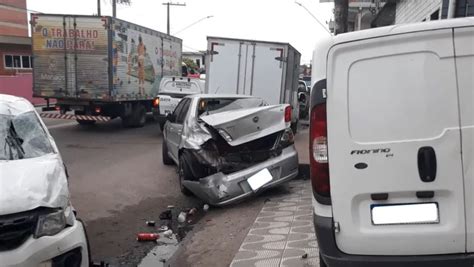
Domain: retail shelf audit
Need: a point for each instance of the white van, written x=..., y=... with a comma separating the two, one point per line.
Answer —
x=171, y=91
x=391, y=146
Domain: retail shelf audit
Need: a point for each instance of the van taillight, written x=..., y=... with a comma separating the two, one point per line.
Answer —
x=318, y=149
x=288, y=114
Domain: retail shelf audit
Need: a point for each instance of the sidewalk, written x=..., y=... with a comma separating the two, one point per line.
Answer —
x=283, y=232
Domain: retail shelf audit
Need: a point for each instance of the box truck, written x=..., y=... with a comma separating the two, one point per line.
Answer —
x=268, y=70
x=100, y=68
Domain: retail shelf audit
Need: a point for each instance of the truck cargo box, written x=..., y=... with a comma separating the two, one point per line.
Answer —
x=103, y=59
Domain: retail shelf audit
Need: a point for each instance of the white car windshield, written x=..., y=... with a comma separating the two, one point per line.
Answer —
x=22, y=136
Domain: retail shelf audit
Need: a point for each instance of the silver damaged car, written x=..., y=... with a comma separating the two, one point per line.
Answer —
x=228, y=148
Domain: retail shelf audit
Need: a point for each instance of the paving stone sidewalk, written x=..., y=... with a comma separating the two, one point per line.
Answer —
x=283, y=233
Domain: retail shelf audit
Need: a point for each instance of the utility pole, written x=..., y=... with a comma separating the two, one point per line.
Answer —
x=114, y=8
x=168, y=12
x=98, y=8
x=341, y=10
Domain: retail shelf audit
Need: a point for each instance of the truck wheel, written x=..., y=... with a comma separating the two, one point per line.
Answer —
x=165, y=157
x=85, y=122
x=126, y=121
x=140, y=114
x=184, y=174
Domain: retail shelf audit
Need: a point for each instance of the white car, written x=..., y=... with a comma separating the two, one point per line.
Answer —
x=391, y=145
x=38, y=225
x=171, y=91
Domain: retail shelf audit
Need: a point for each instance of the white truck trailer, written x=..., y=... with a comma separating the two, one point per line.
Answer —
x=268, y=70
x=100, y=68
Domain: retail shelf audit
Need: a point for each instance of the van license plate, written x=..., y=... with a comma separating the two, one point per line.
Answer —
x=422, y=213
x=259, y=179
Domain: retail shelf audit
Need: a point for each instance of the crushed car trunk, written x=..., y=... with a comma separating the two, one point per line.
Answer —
x=216, y=155
x=245, y=125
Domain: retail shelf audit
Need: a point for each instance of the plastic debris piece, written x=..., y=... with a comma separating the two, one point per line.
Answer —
x=168, y=233
x=304, y=256
x=182, y=217
x=192, y=211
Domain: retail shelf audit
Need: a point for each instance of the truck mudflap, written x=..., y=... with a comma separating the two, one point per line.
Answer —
x=75, y=117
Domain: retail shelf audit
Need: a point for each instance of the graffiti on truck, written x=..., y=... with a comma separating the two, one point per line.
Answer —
x=140, y=59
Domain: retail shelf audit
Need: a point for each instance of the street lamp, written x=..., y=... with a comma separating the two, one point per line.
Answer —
x=314, y=17
x=192, y=24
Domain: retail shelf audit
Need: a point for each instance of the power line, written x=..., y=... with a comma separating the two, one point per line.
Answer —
x=192, y=24
x=196, y=50
x=314, y=17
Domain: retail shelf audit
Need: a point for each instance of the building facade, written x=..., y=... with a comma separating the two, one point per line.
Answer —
x=411, y=11
x=16, y=66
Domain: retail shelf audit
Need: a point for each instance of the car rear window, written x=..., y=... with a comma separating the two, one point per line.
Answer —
x=216, y=105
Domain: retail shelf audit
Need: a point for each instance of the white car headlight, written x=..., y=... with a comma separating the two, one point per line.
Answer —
x=50, y=224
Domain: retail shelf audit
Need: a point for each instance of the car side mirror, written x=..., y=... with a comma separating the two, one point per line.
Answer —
x=171, y=117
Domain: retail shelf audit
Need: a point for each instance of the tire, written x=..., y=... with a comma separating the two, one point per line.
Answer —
x=165, y=157
x=140, y=114
x=126, y=121
x=321, y=261
x=184, y=174
x=136, y=119
x=85, y=122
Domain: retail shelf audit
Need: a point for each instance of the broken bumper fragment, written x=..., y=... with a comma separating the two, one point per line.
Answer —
x=221, y=189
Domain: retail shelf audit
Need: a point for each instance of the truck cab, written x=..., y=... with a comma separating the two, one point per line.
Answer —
x=172, y=89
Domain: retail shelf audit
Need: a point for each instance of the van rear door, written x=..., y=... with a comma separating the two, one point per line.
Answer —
x=464, y=47
x=394, y=143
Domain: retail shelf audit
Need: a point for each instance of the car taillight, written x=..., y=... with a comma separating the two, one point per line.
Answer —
x=156, y=102
x=288, y=114
x=318, y=149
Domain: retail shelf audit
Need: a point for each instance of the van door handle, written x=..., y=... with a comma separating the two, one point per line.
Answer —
x=427, y=164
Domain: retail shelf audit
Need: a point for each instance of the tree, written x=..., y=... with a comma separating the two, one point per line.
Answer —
x=190, y=63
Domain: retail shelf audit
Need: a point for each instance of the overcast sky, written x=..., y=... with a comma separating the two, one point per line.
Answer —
x=269, y=20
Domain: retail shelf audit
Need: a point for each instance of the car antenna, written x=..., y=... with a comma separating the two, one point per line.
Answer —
x=217, y=89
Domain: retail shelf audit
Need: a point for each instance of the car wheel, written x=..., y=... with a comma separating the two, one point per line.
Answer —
x=166, y=158
x=321, y=261
x=184, y=174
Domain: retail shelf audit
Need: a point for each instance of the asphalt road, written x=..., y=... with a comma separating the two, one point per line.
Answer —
x=117, y=182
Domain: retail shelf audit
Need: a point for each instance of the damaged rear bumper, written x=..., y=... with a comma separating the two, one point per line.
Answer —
x=222, y=189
